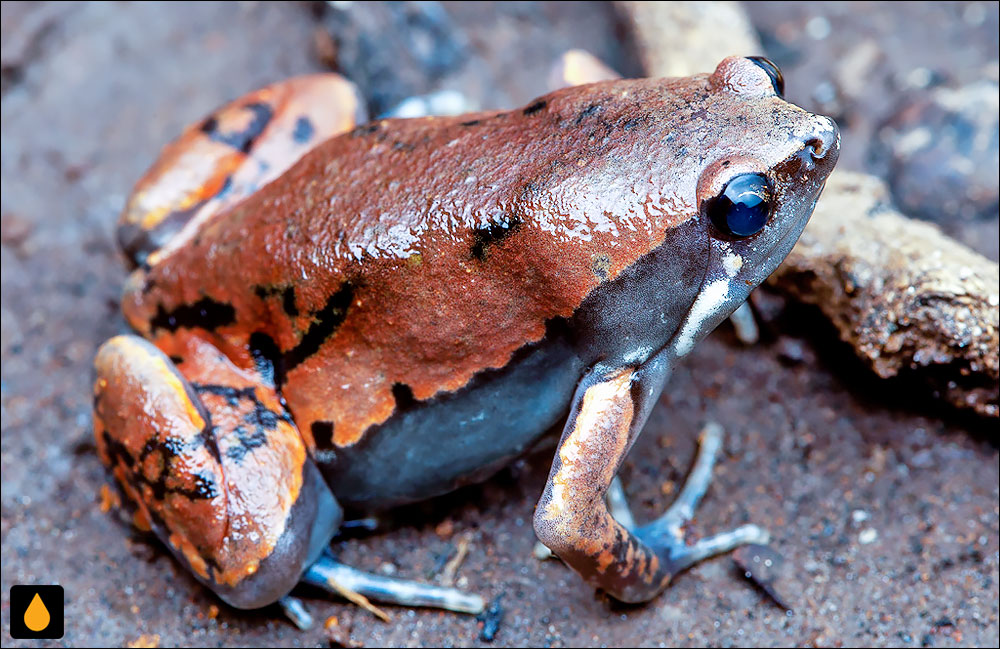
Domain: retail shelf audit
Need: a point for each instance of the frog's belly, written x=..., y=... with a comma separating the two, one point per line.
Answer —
x=436, y=446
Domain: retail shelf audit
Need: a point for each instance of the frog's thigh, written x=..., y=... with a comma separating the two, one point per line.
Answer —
x=572, y=518
x=214, y=466
x=224, y=158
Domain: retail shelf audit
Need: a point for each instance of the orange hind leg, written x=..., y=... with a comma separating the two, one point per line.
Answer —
x=214, y=464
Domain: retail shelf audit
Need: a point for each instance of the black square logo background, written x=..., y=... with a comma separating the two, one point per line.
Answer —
x=52, y=597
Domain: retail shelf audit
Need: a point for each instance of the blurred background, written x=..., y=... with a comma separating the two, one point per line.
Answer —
x=884, y=506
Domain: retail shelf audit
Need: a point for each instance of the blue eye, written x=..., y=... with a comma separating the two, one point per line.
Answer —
x=743, y=207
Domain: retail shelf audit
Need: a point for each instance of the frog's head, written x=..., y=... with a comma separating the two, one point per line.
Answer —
x=724, y=174
x=757, y=193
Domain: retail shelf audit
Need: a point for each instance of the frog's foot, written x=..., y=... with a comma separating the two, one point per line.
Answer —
x=331, y=575
x=633, y=564
x=214, y=466
x=666, y=534
x=358, y=587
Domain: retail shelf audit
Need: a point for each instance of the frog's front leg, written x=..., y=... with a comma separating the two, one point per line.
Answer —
x=572, y=517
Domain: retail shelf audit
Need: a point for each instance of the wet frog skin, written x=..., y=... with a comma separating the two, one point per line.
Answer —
x=331, y=314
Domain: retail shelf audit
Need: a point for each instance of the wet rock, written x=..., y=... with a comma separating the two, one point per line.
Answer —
x=942, y=154
x=904, y=295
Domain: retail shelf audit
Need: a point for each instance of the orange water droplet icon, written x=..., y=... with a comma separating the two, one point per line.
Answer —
x=36, y=617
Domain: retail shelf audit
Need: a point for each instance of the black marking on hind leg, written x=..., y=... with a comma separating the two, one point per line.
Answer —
x=267, y=358
x=262, y=417
x=241, y=140
x=230, y=394
x=304, y=130
x=205, y=487
x=248, y=441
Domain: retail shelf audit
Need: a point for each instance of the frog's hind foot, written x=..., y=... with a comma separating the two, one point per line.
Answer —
x=359, y=586
x=665, y=535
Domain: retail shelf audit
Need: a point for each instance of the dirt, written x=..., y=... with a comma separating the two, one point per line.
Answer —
x=885, y=509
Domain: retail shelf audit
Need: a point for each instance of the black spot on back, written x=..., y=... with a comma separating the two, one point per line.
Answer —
x=288, y=301
x=287, y=296
x=587, y=112
x=493, y=233
x=206, y=313
x=634, y=122
x=535, y=107
x=365, y=129
x=322, y=432
x=403, y=394
x=326, y=321
x=241, y=140
x=273, y=364
x=471, y=122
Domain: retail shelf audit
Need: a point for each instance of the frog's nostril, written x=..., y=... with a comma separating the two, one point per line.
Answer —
x=825, y=140
x=818, y=147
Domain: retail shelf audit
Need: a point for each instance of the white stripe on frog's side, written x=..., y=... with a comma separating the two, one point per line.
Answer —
x=711, y=297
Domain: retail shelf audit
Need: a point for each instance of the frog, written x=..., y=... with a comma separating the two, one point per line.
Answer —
x=334, y=314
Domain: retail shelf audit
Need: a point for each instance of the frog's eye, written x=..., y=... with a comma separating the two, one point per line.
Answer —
x=777, y=80
x=743, y=207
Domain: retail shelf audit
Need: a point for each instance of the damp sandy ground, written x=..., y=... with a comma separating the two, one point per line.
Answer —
x=884, y=507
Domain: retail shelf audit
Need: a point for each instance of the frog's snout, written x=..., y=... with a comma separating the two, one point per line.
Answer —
x=824, y=143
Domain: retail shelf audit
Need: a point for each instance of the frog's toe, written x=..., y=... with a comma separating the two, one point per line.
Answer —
x=335, y=577
x=297, y=612
x=666, y=534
